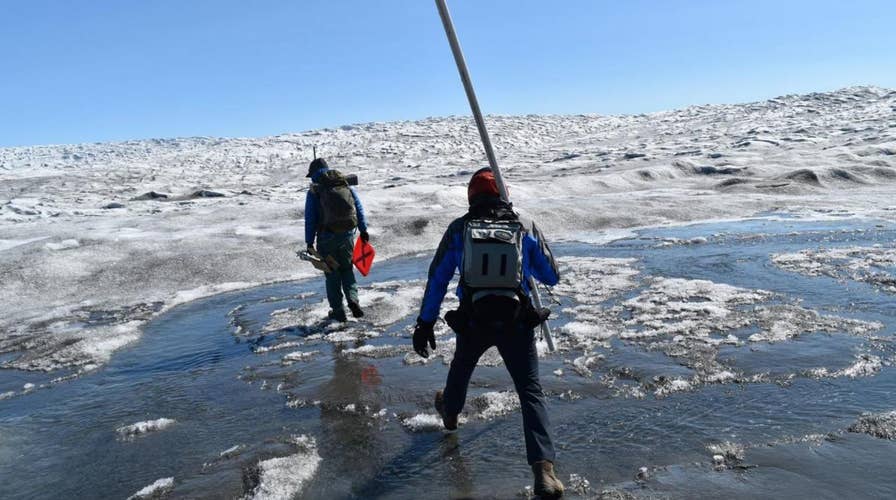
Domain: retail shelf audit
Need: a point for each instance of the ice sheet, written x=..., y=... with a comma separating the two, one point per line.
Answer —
x=77, y=231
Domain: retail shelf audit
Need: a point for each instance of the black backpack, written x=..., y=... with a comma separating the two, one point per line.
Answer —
x=337, y=205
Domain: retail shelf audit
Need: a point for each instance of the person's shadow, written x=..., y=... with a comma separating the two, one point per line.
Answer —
x=458, y=468
x=350, y=440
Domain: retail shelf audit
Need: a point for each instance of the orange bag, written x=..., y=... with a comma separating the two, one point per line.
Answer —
x=363, y=256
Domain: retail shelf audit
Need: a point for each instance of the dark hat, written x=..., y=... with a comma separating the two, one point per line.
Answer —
x=482, y=183
x=317, y=164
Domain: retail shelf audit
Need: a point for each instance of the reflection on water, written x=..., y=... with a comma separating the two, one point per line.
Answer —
x=242, y=373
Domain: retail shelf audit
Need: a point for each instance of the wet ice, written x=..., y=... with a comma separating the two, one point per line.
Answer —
x=669, y=340
x=283, y=478
x=873, y=265
x=583, y=177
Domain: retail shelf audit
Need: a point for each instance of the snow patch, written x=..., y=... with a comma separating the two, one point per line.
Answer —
x=299, y=356
x=690, y=308
x=184, y=296
x=73, y=346
x=376, y=351
x=667, y=387
x=591, y=281
x=10, y=244
x=232, y=451
x=494, y=404
x=145, y=427
x=63, y=245
x=285, y=477
x=158, y=489
x=423, y=422
x=277, y=347
x=872, y=265
x=865, y=365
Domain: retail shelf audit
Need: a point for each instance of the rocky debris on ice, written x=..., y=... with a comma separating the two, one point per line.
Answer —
x=623, y=389
x=579, y=484
x=205, y=193
x=583, y=365
x=666, y=386
x=879, y=425
x=726, y=455
x=150, y=195
x=490, y=405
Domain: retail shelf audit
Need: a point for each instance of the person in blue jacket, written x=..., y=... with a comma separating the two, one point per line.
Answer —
x=513, y=335
x=337, y=244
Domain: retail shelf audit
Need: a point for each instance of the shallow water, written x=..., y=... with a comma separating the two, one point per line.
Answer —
x=204, y=365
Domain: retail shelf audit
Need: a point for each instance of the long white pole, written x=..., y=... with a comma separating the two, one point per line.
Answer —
x=483, y=134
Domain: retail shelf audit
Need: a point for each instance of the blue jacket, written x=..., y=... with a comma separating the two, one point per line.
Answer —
x=538, y=262
x=312, y=213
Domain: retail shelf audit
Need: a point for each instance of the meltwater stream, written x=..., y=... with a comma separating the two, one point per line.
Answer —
x=710, y=360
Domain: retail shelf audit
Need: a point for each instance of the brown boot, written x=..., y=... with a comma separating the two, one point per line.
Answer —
x=450, y=422
x=546, y=483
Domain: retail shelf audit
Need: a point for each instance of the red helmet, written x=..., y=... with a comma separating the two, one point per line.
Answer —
x=482, y=183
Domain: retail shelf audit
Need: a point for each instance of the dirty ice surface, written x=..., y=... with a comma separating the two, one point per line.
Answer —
x=98, y=239
x=692, y=363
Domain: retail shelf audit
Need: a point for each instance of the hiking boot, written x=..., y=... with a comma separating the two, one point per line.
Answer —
x=546, y=483
x=356, y=310
x=337, y=316
x=450, y=423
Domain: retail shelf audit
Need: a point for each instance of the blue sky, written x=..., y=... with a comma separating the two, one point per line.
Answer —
x=101, y=70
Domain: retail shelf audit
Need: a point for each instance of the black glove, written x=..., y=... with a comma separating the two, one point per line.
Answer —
x=422, y=334
x=365, y=237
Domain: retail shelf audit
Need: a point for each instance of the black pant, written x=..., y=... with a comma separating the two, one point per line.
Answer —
x=517, y=348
